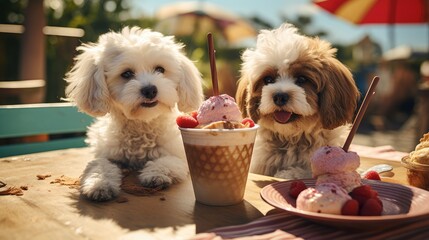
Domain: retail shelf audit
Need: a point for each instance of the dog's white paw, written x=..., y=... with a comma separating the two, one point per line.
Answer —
x=153, y=180
x=101, y=180
x=155, y=175
x=100, y=193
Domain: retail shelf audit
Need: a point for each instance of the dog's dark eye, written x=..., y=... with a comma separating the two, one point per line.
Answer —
x=269, y=80
x=159, y=69
x=301, y=80
x=127, y=74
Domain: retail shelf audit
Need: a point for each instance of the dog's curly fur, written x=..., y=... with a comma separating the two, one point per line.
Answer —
x=135, y=82
x=301, y=96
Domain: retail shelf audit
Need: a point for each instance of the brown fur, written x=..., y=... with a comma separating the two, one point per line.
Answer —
x=330, y=98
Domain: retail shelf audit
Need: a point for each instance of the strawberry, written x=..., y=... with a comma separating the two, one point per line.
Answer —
x=248, y=121
x=296, y=187
x=351, y=208
x=372, y=207
x=186, y=121
x=194, y=114
x=372, y=175
x=362, y=194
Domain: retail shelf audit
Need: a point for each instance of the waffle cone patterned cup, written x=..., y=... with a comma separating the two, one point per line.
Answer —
x=219, y=161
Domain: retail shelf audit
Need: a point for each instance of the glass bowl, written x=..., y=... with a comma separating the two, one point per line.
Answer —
x=417, y=173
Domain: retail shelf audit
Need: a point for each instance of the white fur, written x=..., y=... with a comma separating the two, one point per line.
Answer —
x=288, y=156
x=324, y=103
x=128, y=133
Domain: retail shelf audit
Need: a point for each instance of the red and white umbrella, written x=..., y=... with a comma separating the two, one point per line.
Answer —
x=390, y=12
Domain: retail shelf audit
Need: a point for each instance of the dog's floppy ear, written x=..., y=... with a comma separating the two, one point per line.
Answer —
x=87, y=85
x=338, y=99
x=241, y=96
x=190, y=86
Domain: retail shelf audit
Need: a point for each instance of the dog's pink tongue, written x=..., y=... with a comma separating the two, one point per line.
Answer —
x=282, y=116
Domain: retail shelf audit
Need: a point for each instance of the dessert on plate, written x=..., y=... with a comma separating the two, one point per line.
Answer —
x=338, y=188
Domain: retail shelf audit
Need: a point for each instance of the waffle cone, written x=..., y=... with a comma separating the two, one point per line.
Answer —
x=219, y=173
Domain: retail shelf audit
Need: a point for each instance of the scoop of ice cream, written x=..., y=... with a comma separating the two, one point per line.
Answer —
x=323, y=198
x=346, y=180
x=422, y=145
x=420, y=156
x=219, y=108
x=329, y=159
x=421, y=153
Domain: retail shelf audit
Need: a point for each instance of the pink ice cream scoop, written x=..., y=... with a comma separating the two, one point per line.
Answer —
x=333, y=160
x=219, y=108
x=323, y=198
x=346, y=180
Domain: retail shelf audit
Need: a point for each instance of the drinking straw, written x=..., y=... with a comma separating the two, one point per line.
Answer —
x=361, y=112
x=213, y=64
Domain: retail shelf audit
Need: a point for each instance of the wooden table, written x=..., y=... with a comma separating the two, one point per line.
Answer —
x=48, y=210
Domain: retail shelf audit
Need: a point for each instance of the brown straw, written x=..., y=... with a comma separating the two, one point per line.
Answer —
x=361, y=112
x=213, y=64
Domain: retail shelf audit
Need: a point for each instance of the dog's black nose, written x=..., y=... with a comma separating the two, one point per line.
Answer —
x=280, y=99
x=149, y=92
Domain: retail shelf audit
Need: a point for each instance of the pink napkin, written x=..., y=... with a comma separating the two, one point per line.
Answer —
x=382, y=152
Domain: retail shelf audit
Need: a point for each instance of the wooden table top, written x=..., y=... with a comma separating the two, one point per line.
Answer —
x=50, y=210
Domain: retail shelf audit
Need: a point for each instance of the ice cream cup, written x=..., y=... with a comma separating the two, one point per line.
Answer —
x=219, y=161
x=417, y=173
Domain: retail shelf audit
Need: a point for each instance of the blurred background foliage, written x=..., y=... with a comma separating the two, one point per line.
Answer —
x=100, y=16
x=392, y=107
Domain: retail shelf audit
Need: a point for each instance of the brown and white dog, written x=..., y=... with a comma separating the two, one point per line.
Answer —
x=301, y=96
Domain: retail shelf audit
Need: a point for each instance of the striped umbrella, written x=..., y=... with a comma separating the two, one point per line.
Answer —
x=389, y=12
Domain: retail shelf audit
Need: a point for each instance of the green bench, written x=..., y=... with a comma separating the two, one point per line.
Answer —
x=64, y=125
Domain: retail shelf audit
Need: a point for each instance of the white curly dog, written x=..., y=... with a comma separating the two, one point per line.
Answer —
x=135, y=82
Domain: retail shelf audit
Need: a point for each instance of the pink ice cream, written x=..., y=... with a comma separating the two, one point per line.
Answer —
x=333, y=160
x=219, y=108
x=334, y=165
x=346, y=180
x=323, y=198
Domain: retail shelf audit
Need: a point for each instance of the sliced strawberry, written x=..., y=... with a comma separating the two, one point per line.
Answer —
x=372, y=207
x=296, y=187
x=194, y=114
x=372, y=175
x=351, y=208
x=186, y=121
x=248, y=121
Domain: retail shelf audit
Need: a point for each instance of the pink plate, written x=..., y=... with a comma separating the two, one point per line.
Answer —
x=401, y=204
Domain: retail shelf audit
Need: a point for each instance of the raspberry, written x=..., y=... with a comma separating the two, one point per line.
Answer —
x=194, y=114
x=296, y=187
x=249, y=121
x=186, y=121
x=351, y=208
x=372, y=175
x=362, y=194
x=372, y=207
